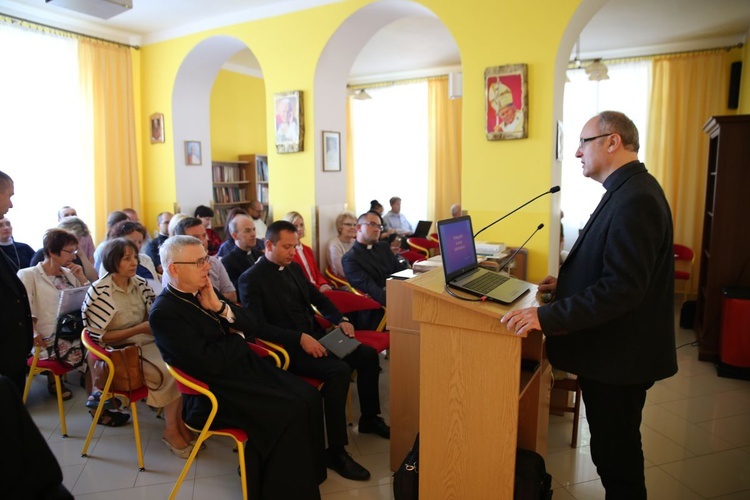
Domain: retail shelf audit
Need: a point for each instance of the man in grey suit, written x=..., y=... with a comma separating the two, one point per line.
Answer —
x=611, y=317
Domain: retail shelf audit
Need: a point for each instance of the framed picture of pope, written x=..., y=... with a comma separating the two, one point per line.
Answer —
x=506, y=102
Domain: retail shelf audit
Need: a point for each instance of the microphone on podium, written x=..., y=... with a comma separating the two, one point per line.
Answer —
x=553, y=189
x=508, y=261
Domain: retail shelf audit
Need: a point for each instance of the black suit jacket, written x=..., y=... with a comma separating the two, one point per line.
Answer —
x=367, y=270
x=612, y=317
x=16, y=337
x=262, y=292
x=238, y=261
x=248, y=388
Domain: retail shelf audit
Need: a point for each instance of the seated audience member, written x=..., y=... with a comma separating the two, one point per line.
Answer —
x=244, y=255
x=346, y=226
x=135, y=232
x=456, y=210
x=370, y=262
x=191, y=226
x=376, y=206
x=304, y=255
x=18, y=254
x=112, y=219
x=85, y=240
x=152, y=248
x=115, y=313
x=132, y=214
x=176, y=218
x=395, y=220
x=255, y=210
x=228, y=244
x=33, y=470
x=277, y=293
x=84, y=258
x=199, y=332
x=206, y=215
x=43, y=284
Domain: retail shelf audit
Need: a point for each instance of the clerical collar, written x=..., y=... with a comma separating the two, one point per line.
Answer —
x=369, y=247
x=273, y=264
x=170, y=285
x=9, y=243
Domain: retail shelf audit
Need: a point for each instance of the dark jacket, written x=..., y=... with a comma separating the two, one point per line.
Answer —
x=367, y=269
x=237, y=261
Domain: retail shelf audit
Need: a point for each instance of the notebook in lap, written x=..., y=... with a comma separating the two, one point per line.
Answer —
x=460, y=266
x=423, y=229
x=339, y=343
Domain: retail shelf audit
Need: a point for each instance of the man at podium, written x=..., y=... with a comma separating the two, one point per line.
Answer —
x=611, y=317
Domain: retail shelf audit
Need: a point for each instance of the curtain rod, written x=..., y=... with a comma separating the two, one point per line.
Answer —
x=388, y=83
x=572, y=64
x=34, y=24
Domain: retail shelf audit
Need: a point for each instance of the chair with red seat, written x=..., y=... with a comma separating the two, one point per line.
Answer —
x=129, y=398
x=412, y=256
x=57, y=369
x=423, y=245
x=340, y=282
x=682, y=255
x=434, y=237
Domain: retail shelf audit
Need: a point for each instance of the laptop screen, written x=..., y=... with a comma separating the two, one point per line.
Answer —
x=457, y=246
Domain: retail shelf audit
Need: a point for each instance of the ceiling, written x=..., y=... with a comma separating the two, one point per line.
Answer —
x=621, y=28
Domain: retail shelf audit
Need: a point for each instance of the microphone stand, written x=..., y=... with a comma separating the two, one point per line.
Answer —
x=508, y=261
x=553, y=189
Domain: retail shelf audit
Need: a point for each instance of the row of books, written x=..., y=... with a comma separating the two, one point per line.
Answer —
x=230, y=194
x=228, y=173
x=261, y=171
x=263, y=193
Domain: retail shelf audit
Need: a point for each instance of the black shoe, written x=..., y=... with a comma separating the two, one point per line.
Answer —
x=346, y=467
x=374, y=425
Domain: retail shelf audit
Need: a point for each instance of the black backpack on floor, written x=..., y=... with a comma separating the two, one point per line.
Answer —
x=532, y=481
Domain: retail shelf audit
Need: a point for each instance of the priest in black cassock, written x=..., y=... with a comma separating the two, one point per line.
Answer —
x=206, y=337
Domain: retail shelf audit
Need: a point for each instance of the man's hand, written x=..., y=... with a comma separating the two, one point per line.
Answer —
x=347, y=328
x=521, y=320
x=312, y=346
x=208, y=298
x=548, y=284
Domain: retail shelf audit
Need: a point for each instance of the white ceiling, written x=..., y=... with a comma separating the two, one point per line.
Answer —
x=414, y=45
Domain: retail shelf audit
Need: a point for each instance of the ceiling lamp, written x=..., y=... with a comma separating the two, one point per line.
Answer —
x=361, y=95
x=597, y=71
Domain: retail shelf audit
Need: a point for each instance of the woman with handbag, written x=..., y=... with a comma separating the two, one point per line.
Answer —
x=43, y=284
x=115, y=313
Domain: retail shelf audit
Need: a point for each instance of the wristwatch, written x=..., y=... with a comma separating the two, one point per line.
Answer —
x=344, y=319
x=223, y=308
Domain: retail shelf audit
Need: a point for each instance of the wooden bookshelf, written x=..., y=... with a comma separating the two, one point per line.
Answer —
x=231, y=187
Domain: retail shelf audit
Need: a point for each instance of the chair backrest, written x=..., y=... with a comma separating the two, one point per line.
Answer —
x=423, y=245
x=681, y=252
x=189, y=385
x=349, y=302
x=413, y=256
x=340, y=282
x=264, y=352
x=100, y=352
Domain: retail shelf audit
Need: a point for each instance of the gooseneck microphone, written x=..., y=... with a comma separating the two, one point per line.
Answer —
x=553, y=189
x=508, y=261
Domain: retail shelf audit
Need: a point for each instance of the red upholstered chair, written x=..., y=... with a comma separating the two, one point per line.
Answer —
x=683, y=255
x=434, y=237
x=192, y=386
x=57, y=369
x=340, y=282
x=126, y=397
x=412, y=256
x=423, y=245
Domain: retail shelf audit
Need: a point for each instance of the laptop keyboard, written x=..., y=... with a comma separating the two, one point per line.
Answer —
x=487, y=282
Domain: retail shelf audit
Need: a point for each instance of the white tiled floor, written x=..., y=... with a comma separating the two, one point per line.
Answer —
x=696, y=440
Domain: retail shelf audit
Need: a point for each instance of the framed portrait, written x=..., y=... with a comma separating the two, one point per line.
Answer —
x=506, y=102
x=193, y=153
x=290, y=127
x=156, y=122
x=331, y=151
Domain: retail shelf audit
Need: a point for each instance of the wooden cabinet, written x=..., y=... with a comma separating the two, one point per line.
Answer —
x=258, y=176
x=231, y=188
x=725, y=247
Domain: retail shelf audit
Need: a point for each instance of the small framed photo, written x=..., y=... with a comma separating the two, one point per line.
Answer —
x=193, y=153
x=157, y=127
x=331, y=151
x=506, y=102
x=290, y=126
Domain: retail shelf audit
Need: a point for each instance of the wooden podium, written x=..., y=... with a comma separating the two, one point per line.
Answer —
x=476, y=404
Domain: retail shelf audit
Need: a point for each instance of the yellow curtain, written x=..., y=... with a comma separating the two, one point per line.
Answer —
x=107, y=86
x=687, y=90
x=444, y=178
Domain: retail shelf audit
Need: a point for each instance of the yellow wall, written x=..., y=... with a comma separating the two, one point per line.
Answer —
x=497, y=176
x=238, y=116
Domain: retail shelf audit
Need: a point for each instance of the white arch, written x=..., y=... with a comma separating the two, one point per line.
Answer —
x=191, y=115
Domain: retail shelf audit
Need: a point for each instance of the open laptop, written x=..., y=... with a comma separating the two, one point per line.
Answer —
x=423, y=229
x=461, y=269
x=338, y=343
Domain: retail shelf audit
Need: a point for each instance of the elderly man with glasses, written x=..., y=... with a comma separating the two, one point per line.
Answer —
x=370, y=261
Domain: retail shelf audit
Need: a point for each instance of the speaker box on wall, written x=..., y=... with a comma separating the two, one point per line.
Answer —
x=735, y=76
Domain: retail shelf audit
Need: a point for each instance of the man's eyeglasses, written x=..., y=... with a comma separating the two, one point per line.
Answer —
x=375, y=225
x=74, y=251
x=584, y=140
x=198, y=263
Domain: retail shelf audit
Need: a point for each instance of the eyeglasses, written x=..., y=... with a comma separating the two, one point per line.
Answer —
x=74, y=251
x=584, y=140
x=377, y=226
x=198, y=263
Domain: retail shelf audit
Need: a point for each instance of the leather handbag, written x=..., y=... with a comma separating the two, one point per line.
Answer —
x=406, y=478
x=128, y=369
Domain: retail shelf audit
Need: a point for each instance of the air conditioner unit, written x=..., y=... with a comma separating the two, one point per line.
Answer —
x=455, y=85
x=103, y=9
